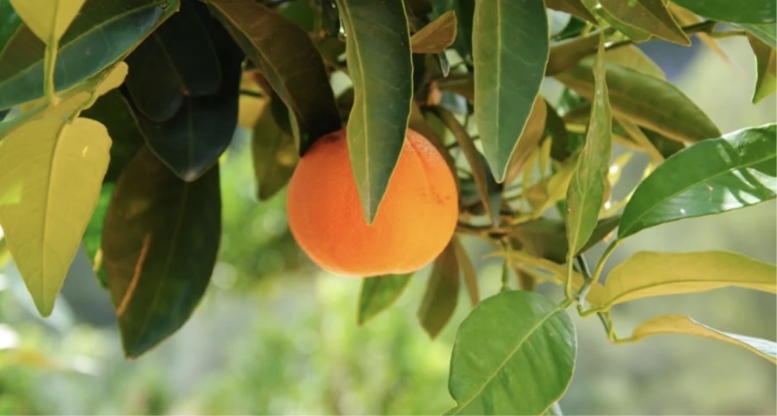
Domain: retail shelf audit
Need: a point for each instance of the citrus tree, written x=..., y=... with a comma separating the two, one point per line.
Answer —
x=400, y=126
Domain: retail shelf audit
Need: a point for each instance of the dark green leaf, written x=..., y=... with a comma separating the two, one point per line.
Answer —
x=10, y=24
x=574, y=7
x=273, y=150
x=102, y=33
x=380, y=66
x=330, y=19
x=442, y=292
x=160, y=242
x=585, y=194
x=510, y=38
x=178, y=60
x=94, y=233
x=3, y=113
x=646, y=100
x=379, y=293
x=115, y=113
x=514, y=354
x=436, y=36
x=291, y=63
x=633, y=33
x=547, y=238
x=530, y=138
x=710, y=177
x=665, y=146
x=648, y=15
x=192, y=141
x=560, y=148
x=750, y=11
x=766, y=66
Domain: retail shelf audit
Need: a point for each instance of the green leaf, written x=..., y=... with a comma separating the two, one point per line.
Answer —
x=632, y=57
x=766, y=66
x=560, y=149
x=94, y=233
x=565, y=55
x=115, y=113
x=547, y=238
x=530, y=138
x=574, y=7
x=442, y=292
x=464, y=9
x=514, y=354
x=377, y=48
x=710, y=177
x=585, y=194
x=679, y=324
x=103, y=32
x=177, y=60
x=648, y=101
x=379, y=293
x=49, y=187
x=751, y=11
x=470, y=276
x=648, y=15
x=437, y=36
x=273, y=150
x=199, y=132
x=766, y=33
x=160, y=242
x=48, y=19
x=10, y=23
x=635, y=34
x=649, y=274
x=510, y=37
x=486, y=187
x=299, y=78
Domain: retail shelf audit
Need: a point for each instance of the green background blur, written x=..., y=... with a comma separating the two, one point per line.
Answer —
x=275, y=335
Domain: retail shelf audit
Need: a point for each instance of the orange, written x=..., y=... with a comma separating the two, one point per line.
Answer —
x=414, y=223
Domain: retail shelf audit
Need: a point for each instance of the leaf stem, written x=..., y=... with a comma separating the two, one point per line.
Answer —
x=252, y=93
x=49, y=61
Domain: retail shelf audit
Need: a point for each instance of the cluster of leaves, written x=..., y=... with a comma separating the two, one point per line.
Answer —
x=117, y=112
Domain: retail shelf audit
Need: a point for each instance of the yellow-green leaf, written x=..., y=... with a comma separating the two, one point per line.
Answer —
x=470, y=277
x=648, y=15
x=766, y=67
x=585, y=194
x=679, y=324
x=436, y=36
x=48, y=19
x=50, y=182
x=530, y=138
x=647, y=274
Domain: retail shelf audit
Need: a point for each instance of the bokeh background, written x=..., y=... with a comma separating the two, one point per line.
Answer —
x=275, y=335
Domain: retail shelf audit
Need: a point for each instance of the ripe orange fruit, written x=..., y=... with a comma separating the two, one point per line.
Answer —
x=414, y=223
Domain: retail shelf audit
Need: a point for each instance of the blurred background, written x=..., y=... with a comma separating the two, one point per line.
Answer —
x=275, y=335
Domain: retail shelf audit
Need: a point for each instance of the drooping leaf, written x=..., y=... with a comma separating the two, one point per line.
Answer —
x=48, y=19
x=442, y=292
x=574, y=7
x=547, y=238
x=377, y=48
x=752, y=11
x=648, y=15
x=470, y=276
x=510, y=37
x=679, y=324
x=585, y=194
x=530, y=138
x=710, y=177
x=648, y=274
x=202, y=128
x=437, y=36
x=115, y=113
x=177, y=60
x=160, y=241
x=103, y=32
x=648, y=101
x=273, y=150
x=289, y=60
x=486, y=187
x=93, y=235
x=49, y=187
x=523, y=370
x=766, y=68
x=379, y=293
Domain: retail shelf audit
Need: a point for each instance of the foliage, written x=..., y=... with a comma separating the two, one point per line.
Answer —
x=169, y=81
